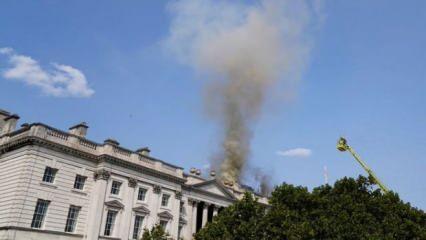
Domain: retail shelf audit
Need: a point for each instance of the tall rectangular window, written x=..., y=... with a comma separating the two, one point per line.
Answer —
x=49, y=174
x=79, y=182
x=72, y=218
x=142, y=194
x=115, y=188
x=137, y=227
x=110, y=221
x=39, y=213
x=163, y=224
x=165, y=200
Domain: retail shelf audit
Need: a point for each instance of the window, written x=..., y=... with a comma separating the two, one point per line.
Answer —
x=165, y=200
x=163, y=224
x=115, y=188
x=39, y=213
x=141, y=194
x=138, y=226
x=49, y=174
x=72, y=218
x=79, y=182
x=182, y=208
x=110, y=221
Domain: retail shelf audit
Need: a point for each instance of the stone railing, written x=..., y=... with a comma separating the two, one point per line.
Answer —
x=64, y=138
x=88, y=144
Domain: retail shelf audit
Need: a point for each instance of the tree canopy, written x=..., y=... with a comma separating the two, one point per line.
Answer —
x=156, y=233
x=351, y=209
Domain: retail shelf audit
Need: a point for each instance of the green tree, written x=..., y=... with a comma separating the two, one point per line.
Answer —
x=351, y=209
x=156, y=233
x=241, y=220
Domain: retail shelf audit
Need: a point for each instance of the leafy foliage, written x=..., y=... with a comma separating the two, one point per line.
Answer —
x=351, y=209
x=156, y=233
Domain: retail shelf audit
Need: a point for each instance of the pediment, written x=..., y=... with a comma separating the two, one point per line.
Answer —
x=114, y=204
x=215, y=187
x=141, y=209
x=165, y=215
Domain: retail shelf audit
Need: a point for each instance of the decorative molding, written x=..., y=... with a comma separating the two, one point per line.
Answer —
x=141, y=209
x=178, y=195
x=165, y=215
x=182, y=221
x=102, y=174
x=192, y=202
x=114, y=204
x=41, y=231
x=132, y=182
x=157, y=189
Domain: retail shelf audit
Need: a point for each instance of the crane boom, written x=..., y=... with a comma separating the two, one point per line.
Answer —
x=343, y=146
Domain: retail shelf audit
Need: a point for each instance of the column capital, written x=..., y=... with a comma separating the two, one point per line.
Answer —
x=101, y=174
x=178, y=195
x=132, y=182
x=192, y=201
x=157, y=189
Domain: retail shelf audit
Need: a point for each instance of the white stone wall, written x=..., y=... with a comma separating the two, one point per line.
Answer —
x=21, y=173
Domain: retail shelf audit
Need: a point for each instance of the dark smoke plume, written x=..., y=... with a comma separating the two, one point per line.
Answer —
x=244, y=50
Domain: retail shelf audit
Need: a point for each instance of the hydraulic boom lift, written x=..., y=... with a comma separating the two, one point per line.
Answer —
x=343, y=146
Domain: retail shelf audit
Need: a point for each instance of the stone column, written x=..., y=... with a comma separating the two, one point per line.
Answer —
x=97, y=200
x=174, y=228
x=187, y=234
x=205, y=214
x=194, y=217
x=155, y=201
x=128, y=206
x=215, y=210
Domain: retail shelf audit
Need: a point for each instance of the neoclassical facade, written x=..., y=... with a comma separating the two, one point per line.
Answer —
x=59, y=185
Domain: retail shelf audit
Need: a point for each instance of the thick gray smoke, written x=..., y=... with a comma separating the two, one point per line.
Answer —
x=244, y=50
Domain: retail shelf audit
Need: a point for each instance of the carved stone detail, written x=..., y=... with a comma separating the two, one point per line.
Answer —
x=132, y=182
x=102, y=174
x=157, y=189
x=192, y=202
x=178, y=195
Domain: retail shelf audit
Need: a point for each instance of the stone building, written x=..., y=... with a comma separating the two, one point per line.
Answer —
x=60, y=185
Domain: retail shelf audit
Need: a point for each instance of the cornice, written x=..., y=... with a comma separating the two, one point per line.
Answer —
x=33, y=140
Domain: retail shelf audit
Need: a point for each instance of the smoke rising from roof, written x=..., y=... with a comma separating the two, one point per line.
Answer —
x=244, y=50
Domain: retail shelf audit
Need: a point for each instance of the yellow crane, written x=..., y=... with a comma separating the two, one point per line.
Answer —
x=342, y=145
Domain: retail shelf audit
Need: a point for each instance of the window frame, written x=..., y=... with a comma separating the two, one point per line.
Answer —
x=137, y=226
x=144, y=195
x=166, y=224
x=71, y=222
x=118, y=189
x=110, y=222
x=78, y=183
x=49, y=175
x=168, y=200
x=40, y=212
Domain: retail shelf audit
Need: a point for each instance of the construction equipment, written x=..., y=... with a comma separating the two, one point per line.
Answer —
x=342, y=145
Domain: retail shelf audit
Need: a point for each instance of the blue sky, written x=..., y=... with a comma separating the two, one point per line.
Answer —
x=365, y=80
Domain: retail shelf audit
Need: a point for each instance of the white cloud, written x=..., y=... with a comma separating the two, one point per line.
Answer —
x=59, y=81
x=296, y=152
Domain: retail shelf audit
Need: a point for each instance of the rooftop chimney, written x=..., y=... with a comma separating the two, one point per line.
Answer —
x=9, y=124
x=143, y=151
x=79, y=129
x=111, y=141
